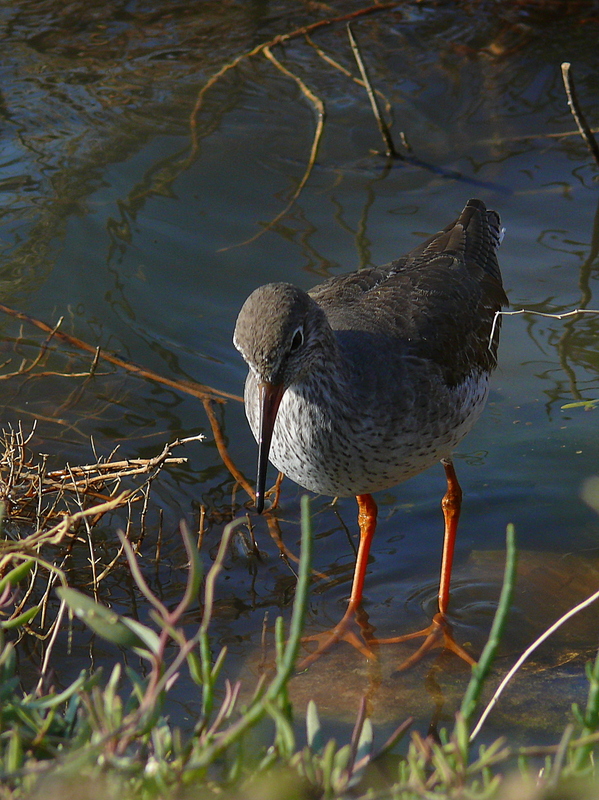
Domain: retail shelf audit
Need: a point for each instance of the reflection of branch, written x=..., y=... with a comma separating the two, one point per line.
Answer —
x=593, y=253
x=272, y=521
x=390, y=150
x=219, y=441
x=320, y=111
x=585, y=298
x=189, y=387
x=577, y=113
x=285, y=37
x=275, y=532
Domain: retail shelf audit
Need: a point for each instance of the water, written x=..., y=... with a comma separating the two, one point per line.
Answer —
x=112, y=221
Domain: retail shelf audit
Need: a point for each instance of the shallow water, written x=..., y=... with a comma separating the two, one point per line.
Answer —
x=112, y=220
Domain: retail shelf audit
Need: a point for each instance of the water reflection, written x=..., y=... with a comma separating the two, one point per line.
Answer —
x=112, y=218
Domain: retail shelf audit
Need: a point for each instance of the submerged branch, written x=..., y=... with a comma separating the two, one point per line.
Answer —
x=189, y=387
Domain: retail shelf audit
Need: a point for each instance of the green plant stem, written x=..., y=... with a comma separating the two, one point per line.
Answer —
x=287, y=664
x=481, y=670
x=591, y=718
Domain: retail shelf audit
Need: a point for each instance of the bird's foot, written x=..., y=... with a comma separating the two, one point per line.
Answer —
x=438, y=634
x=344, y=631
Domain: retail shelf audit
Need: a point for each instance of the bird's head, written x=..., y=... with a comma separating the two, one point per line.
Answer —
x=279, y=332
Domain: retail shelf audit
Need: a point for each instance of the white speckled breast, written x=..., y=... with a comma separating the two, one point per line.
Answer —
x=347, y=452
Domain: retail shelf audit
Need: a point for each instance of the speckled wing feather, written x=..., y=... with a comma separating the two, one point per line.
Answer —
x=437, y=303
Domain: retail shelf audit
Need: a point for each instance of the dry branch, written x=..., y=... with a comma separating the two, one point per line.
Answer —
x=390, y=150
x=206, y=394
x=336, y=65
x=40, y=501
x=565, y=315
x=189, y=387
x=266, y=49
x=23, y=370
x=280, y=39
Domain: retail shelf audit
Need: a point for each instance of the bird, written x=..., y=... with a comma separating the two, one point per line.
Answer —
x=370, y=378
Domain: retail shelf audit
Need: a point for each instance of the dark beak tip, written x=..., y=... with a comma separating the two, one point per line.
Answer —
x=259, y=503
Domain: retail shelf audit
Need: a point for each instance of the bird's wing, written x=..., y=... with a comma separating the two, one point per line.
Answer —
x=438, y=302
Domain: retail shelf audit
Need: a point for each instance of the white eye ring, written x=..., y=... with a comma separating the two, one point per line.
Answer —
x=297, y=340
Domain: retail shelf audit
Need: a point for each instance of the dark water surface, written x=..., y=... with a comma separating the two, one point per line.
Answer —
x=113, y=220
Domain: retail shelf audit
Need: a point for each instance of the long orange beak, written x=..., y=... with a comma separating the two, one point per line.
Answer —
x=270, y=395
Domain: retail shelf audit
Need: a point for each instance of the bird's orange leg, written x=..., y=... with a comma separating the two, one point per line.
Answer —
x=438, y=633
x=451, y=505
x=367, y=512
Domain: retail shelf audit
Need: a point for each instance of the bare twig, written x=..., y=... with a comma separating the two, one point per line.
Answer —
x=390, y=150
x=24, y=484
x=336, y=65
x=99, y=578
x=527, y=136
x=206, y=394
x=189, y=387
x=88, y=528
x=131, y=466
x=499, y=691
x=577, y=113
x=50, y=645
x=280, y=39
x=538, y=314
x=29, y=546
x=42, y=351
x=219, y=441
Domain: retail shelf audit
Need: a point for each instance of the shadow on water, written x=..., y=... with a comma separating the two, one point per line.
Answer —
x=120, y=221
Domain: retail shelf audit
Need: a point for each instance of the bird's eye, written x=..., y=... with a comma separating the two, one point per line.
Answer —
x=297, y=341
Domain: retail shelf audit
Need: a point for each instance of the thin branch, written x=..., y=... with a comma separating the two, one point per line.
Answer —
x=56, y=534
x=206, y=394
x=55, y=627
x=524, y=656
x=577, y=113
x=27, y=483
x=538, y=314
x=495, y=140
x=336, y=65
x=92, y=557
x=42, y=352
x=131, y=465
x=390, y=150
x=280, y=39
x=219, y=441
x=189, y=387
